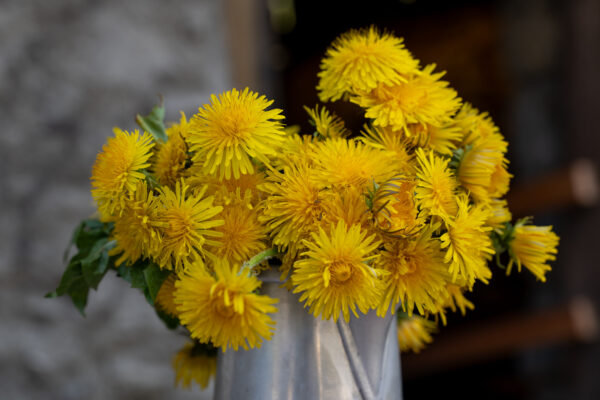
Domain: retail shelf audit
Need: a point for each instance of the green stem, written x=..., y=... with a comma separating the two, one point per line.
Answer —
x=260, y=257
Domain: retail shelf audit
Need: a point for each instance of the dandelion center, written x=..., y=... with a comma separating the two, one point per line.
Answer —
x=340, y=271
x=226, y=311
x=236, y=124
x=407, y=265
x=407, y=97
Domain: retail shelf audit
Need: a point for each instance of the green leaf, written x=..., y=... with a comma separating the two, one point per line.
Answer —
x=94, y=265
x=154, y=279
x=153, y=123
x=134, y=274
x=148, y=297
x=73, y=284
x=93, y=224
x=92, y=231
x=93, y=272
x=96, y=250
x=73, y=240
x=138, y=276
x=78, y=291
x=170, y=321
x=124, y=271
x=71, y=274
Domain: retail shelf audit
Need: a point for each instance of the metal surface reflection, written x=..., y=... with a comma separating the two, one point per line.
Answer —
x=309, y=358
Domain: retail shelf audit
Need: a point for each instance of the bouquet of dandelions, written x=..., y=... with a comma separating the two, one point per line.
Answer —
x=404, y=215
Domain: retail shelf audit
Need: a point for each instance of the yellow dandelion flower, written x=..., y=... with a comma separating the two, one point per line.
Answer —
x=417, y=274
x=245, y=186
x=224, y=309
x=532, y=246
x=297, y=149
x=327, y=124
x=468, y=244
x=116, y=171
x=422, y=99
x=346, y=204
x=359, y=61
x=165, y=299
x=479, y=163
x=454, y=300
x=293, y=207
x=291, y=130
x=436, y=186
x=394, y=210
x=500, y=180
x=442, y=139
x=474, y=124
x=187, y=226
x=414, y=333
x=242, y=234
x=236, y=127
x=194, y=363
x=171, y=159
x=499, y=214
x=343, y=162
x=457, y=300
x=397, y=144
x=136, y=231
x=335, y=277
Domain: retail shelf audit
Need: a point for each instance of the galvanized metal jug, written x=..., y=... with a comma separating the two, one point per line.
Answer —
x=309, y=358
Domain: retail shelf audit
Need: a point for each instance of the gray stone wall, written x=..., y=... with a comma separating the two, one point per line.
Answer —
x=70, y=71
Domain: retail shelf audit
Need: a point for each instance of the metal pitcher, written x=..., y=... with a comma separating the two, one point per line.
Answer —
x=311, y=358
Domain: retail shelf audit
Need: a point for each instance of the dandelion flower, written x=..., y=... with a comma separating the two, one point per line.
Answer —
x=474, y=124
x=345, y=204
x=468, y=244
x=436, y=186
x=479, y=163
x=499, y=214
x=394, y=209
x=224, y=309
x=341, y=162
x=242, y=235
x=327, y=124
x=165, y=300
x=359, y=61
x=195, y=362
x=414, y=333
x=171, y=160
x=334, y=276
x=455, y=300
x=293, y=207
x=500, y=180
x=421, y=99
x=532, y=246
x=417, y=274
x=397, y=144
x=117, y=169
x=296, y=149
x=245, y=186
x=442, y=139
x=236, y=127
x=187, y=225
x=136, y=231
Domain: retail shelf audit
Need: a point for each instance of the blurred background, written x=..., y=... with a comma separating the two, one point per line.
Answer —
x=71, y=70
